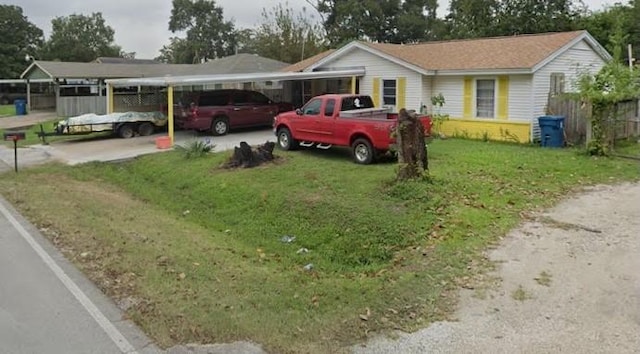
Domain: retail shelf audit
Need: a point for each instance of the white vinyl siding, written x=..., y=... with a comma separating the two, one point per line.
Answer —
x=451, y=88
x=520, y=93
x=377, y=67
x=579, y=58
x=485, y=98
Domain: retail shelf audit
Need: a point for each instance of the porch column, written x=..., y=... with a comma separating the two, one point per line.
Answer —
x=59, y=107
x=170, y=111
x=28, y=96
x=353, y=85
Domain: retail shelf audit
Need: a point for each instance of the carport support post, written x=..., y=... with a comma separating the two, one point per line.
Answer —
x=109, y=98
x=170, y=111
x=353, y=85
x=28, y=96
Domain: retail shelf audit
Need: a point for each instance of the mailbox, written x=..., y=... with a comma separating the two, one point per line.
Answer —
x=14, y=136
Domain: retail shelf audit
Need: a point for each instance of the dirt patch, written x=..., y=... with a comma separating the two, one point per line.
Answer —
x=570, y=283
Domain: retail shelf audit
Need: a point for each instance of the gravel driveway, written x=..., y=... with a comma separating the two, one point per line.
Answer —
x=570, y=282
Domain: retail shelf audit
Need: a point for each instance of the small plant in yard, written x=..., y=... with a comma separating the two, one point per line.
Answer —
x=543, y=279
x=437, y=117
x=196, y=148
x=520, y=294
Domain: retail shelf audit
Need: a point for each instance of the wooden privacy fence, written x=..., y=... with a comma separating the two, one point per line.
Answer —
x=577, y=120
x=43, y=101
x=70, y=106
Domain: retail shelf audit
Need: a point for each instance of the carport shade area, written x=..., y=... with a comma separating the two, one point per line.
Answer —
x=170, y=82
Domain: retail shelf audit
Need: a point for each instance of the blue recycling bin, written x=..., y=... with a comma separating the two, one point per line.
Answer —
x=551, y=131
x=21, y=107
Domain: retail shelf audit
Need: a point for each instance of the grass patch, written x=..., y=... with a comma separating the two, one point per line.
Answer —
x=7, y=110
x=520, y=294
x=198, y=250
x=543, y=279
x=33, y=139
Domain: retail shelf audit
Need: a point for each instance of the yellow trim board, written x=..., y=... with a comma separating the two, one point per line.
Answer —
x=376, y=92
x=491, y=129
x=402, y=93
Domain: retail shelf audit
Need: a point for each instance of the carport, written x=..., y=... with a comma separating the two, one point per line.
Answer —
x=171, y=82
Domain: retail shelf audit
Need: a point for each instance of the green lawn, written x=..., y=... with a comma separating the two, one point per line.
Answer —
x=7, y=110
x=198, y=250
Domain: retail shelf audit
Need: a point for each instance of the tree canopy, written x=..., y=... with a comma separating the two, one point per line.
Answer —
x=80, y=38
x=208, y=34
x=18, y=37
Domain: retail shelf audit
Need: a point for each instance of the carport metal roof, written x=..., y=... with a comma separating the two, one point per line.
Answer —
x=250, y=77
x=172, y=81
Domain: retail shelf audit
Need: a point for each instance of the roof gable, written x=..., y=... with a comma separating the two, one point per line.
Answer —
x=525, y=53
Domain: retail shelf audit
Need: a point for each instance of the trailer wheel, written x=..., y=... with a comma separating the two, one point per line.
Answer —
x=362, y=151
x=126, y=131
x=145, y=129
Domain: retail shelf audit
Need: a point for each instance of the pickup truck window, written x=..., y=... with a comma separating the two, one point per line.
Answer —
x=329, y=108
x=312, y=107
x=356, y=102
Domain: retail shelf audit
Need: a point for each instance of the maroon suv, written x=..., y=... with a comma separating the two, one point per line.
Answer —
x=221, y=110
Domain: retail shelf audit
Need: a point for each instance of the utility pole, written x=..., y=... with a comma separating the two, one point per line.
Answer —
x=631, y=58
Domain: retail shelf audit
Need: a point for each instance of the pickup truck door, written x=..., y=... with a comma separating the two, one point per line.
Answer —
x=326, y=123
x=306, y=123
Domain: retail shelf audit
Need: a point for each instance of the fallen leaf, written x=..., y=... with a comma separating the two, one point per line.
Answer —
x=182, y=276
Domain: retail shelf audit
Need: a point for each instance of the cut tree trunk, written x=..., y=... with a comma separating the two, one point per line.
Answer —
x=412, y=149
x=245, y=157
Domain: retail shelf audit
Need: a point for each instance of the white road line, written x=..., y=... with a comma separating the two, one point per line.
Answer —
x=113, y=333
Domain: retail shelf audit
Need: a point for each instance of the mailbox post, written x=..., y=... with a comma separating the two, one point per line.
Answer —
x=14, y=136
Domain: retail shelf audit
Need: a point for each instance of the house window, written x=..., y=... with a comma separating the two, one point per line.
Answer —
x=389, y=92
x=556, y=86
x=485, y=98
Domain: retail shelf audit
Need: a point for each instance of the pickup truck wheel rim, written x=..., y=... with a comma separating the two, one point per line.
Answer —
x=361, y=152
x=284, y=140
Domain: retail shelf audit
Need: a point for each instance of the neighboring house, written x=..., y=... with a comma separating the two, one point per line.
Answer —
x=79, y=87
x=495, y=87
x=119, y=60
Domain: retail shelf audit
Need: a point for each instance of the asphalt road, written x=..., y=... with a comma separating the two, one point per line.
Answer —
x=47, y=306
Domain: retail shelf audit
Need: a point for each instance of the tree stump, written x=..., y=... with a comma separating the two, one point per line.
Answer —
x=412, y=150
x=246, y=157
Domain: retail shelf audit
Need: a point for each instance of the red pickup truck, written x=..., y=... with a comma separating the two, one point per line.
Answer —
x=341, y=120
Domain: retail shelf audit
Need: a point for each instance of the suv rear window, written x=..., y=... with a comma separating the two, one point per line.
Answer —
x=214, y=99
x=356, y=102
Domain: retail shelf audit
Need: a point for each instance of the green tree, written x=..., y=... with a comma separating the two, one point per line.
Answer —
x=209, y=36
x=602, y=24
x=393, y=21
x=538, y=16
x=178, y=51
x=80, y=38
x=18, y=37
x=613, y=84
x=286, y=36
x=472, y=18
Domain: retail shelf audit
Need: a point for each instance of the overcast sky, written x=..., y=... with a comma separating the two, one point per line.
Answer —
x=141, y=25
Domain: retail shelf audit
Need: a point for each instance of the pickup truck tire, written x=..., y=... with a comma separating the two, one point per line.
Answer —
x=220, y=126
x=362, y=151
x=285, y=140
x=145, y=129
x=126, y=131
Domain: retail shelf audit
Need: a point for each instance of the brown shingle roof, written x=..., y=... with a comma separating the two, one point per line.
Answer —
x=301, y=65
x=514, y=52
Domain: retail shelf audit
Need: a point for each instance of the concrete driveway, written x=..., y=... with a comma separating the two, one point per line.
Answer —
x=113, y=149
